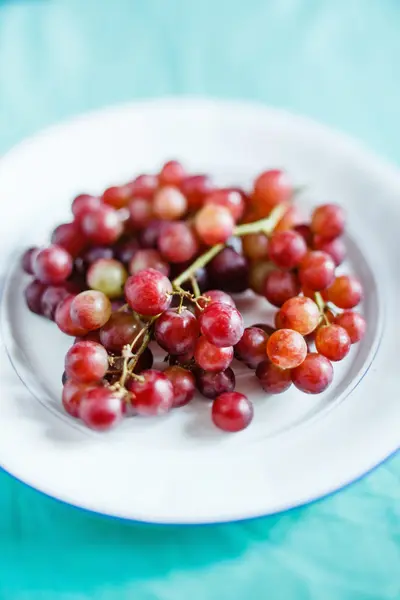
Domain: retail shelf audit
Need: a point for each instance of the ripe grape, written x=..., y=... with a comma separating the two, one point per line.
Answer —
x=255, y=246
x=52, y=265
x=328, y=221
x=196, y=188
x=107, y=276
x=210, y=357
x=252, y=347
x=301, y=314
x=27, y=260
x=183, y=384
x=72, y=395
x=212, y=384
x=90, y=309
x=305, y=231
x=120, y=330
x=230, y=198
x=64, y=321
x=273, y=379
x=258, y=273
x=101, y=408
x=353, y=323
x=169, y=203
x=345, y=292
x=148, y=292
x=333, y=342
x=148, y=258
x=221, y=324
x=51, y=298
x=86, y=362
x=232, y=411
x=314, y=375
x=148, y=237
x=229, y=271
x=103, y=225
x=84, y=203
x=153, y=394
x=69, y=237
x=33, y=296
x=144, y=186
x=280, y=286
x=317, y=270
x=172, y=173
x=178, y=243
x=176, y=332
x=286, y=348
x=270, y=189
x=117, y=196
x=287, y=249
x=212, y=296
x=335, y=248
x=140, y=212
x=125, y=251
x=214, y=224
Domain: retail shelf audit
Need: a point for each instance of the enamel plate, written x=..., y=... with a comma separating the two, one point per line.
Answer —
x=180, y=468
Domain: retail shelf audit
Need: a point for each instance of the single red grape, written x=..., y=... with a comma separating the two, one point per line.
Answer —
x=333, y=342
x=286, y=348
x=270, y=189
x=86, y=362
x=273, y=379
x=230, y=198
x=176, y=332
x=117, y=196
x=84, y=203
x=353, y=323
x=120, y=330
x=90, y=309
x=153, y=394
x=69, y=237
x=252, y=347
x=172, y=173
x=33, y=296
x=335, y=248
x=301, y=314
x=211, y=297
x=183, y=384
x=317, y=270
x=345, y=292
x=211, y=384
x=140, y=212
x=27, y=260
x=232, y=411
x=148, y=292
x=72, y=395
x=144, y=186
x=103, y=225
x=287, y=249
x=101, y=408
x=178, y=243
x=51, y=298
x=255, y=246
x=258, y=273
x=107, y=276
x=328, y=221
x=52, y=265
x=148, y=258
x=196, y=188
x=214, y=224
x=229, y=271
x=314, y=375
x=64, y=321
x=221, y=324
x=210, y=357
x=169, y=203
x=280, y=286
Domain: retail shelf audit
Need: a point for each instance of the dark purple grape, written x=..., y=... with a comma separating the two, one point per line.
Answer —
x=212, y=385
x=229, y=271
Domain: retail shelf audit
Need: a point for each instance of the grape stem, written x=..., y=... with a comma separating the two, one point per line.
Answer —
x=265, y=226
x=321, y=305
x=131, y=360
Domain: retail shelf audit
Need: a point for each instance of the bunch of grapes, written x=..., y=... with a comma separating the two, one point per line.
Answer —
x=157, y=260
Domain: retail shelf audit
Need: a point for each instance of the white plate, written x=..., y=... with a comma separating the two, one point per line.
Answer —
x=180, y=469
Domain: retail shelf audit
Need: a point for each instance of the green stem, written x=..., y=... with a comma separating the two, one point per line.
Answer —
x=198, y=263
x=195, y=286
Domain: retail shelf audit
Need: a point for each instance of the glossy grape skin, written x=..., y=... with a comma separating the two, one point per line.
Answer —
x=214, y=224
x=176, y=332
x=140, y=212
x=121, y=329
x=52, y=265
x=172, y=173
x=252, y=347
x=154, y=395
x=270, y=189
x=84, y=203
x=255, y=246
x=301, y=314
x=328, y=221
x=51, y=298
x=258, y=273
x=287, y=249
x=211, y=297
x=353, y=323
x=69, y=237
x=333, y=342
x=90, y=309
x=86, y=362
x=144, y=186
x=148, y=292
x=335, y=248
x=72, y=395
x=33, y=296
x=101, y=408
x=117, y=196
x=232, y=411
x=196, y=188
x=286, y=348
x=221, y=324
x=148, y=258
x=229, y=271
x=63, y=319
x=211, y=384
x=272, y=378
x=27, y=259
x=230, y=198
x=178, y=243
x=317, y=271
x=314, y=375
x=183, y=384
x=345, y=292
x=268, y=329
x=107, y=276
x=211, y=358
x=280, y=286
x=102, y=226
x=169, y=203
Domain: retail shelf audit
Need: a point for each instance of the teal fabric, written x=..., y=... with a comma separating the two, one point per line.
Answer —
x=337, y=61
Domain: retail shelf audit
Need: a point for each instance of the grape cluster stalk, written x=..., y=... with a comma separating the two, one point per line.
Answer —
x=157, y=259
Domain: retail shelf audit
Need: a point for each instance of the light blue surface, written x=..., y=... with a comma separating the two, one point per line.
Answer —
x=337, y=61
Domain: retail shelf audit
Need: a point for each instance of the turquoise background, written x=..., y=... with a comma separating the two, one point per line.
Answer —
x=337, y=61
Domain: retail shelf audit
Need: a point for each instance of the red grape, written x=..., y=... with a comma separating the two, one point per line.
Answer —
x=169, y=203
x=212, y=296
x=221, y=324
x=353, y=323
x=232, y=411
x=273, y=379
x=255, y=246
x=287, y=249
x=91, y=255
x=314, y=375
x=86, y=362
x=333, y=342
x=27, y=260
x=33, y=296
x=286, y=348
x=64, y=321
x=301, y=314
x=317, y=270
x=335, y=248
x=177, y=332
x=103, y=225
x=107, y=276
x=148, y=237
x=280, y=286
x=101, y=408
x=172, y=173
x=120, y=330
x=183, y=384
x=270, y=189
x=210, y=357
x=232, y=199
x=117, y=196
x=90, y=309
x=144, y=186
x=252, y=347
x=305, y=231
x=229, y=271
x=52, y=265
x=152, y=395
x=51, y=298
x=345, y=292
x=178, y=243
x=214, y=224
x=84, y=203
x=258, y=274
x=69, y=237
x=148, y=258
x=140, y=212
x=211, y=384
x=148, y=292
x=328, y=221
x=196, y=188
x=72, y=395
